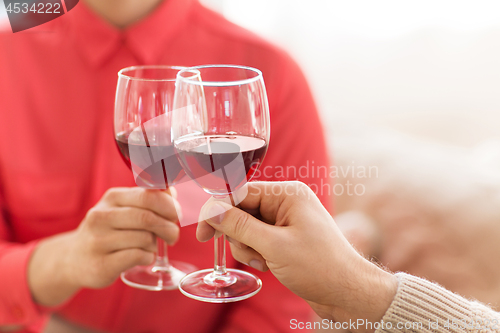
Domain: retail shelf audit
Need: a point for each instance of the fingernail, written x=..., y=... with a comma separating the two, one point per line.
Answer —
x=254, y=263
x=216, y=213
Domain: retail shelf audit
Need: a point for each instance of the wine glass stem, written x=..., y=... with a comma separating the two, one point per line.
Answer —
x=161, y=262
x=220, y=255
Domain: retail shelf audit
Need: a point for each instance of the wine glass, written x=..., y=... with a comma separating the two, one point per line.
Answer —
x=144, y=99
x=220, y=131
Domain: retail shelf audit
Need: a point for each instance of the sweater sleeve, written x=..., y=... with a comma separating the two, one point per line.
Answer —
x=422, y=306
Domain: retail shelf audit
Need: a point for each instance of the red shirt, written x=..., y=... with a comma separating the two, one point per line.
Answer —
x=58, y=157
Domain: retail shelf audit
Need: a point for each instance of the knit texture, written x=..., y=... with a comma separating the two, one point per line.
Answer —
x=422, y=306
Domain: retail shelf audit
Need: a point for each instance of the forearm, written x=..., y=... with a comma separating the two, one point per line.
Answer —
x=49, y=271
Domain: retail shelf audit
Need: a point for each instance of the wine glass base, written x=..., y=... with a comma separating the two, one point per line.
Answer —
x=148, y=278
x=242, y=285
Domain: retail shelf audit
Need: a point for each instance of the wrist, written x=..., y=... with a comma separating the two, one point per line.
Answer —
x=49, y=274
x=382, y=290
x=370, y=296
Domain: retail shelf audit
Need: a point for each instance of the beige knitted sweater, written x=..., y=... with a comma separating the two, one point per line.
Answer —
x=422, y=306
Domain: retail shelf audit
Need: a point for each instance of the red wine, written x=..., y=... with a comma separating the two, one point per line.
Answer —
x=221, y=164
x=156, y=165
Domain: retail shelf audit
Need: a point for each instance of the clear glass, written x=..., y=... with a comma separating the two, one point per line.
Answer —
x=220, y=131
x=144, y=99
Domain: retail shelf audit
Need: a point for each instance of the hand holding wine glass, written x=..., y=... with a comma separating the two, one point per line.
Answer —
x=302, y=246
x=118, y=233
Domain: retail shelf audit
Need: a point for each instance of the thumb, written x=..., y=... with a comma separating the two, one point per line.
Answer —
x=238, y=225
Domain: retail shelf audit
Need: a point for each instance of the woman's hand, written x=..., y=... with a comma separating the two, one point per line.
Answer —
x=284, y=227
x=118, y=233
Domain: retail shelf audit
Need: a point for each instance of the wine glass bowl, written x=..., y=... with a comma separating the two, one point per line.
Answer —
x=231, y=113
x=220, y=131
x=142, y=124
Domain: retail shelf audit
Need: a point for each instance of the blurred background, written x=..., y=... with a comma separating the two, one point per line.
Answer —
x=428, y=68
x=417, y=82
x=411, y=88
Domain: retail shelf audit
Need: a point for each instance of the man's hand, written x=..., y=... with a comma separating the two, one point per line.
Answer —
x=294, y=236
x=118, y=233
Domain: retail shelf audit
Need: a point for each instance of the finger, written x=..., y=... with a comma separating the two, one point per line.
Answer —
x=160, y=202
x=236, y=243
x=249, y=257
x=124, y=218
x=239, y=225
x=251, y=204
x=129, y=239
x=120, y=261
x=204, y=231
x=268, y=198
x=260, y=200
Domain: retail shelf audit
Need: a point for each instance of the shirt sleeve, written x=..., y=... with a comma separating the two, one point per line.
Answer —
x=427, y=307
x=297, y=150
x=16, y=304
